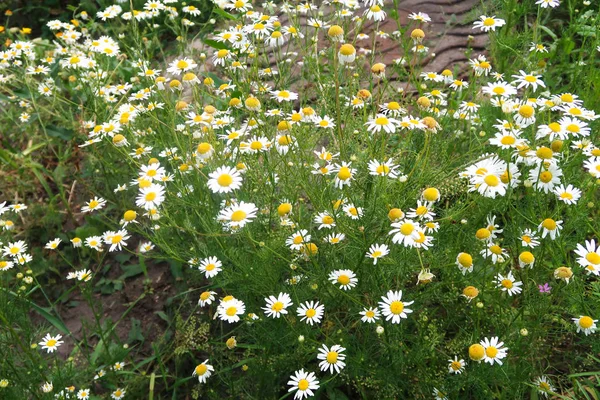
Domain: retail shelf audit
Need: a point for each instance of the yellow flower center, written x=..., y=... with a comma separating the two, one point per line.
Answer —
x=344, y=173
x=277, y=306
x=586, y=322
x=343, y=279
x=231, y=311
x=51, y=343
x=407, y=228
x=491, y=351
x=489, y=22
x=201, y=369
x=150, y=196
x=593, y=257
x=238, y=216
x=116, y=239
x=465, y=259
x=549, y=224
x=526, y=111
x=546, y=176
x=508, y=140
x=225, y=180
x=332, y=357
x=311, y=312
x=492, y=180
x=476, y=352
x=396, y=307
x=303, y=384
x=507, y=283
x=527, y=257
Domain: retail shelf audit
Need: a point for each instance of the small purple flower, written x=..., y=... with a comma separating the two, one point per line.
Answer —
x=545, y=288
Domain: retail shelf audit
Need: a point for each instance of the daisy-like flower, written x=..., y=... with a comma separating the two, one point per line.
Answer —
x=385, y=168
x=464, y=262
x=324, y=122
x=230, y=310
x=344, y=174
x=550, y=227
x=94, y=242
x=83, y=394
x=563, y=273
x=500, y=88
x=585, y=324
x=53, y=244
x=423, y=211
x=405, y=232
x=118, y=394
x=377, y=251
x=297, y=240
x=15, y=248
x=324, y=220
x=456, y=366
x=304, y=383
x=545, y=179
x=206, y=298
x=311, y=312
x=569, y=195
x=335, y=238
x=593, y=166
x=543, y=384
x=393, y=308
x=51, y=343
x=181, y=65
x=238, y=215
x=370, y=315
x=211, y=266
x=508, y=284
x=352, y=211
x=494, y=352
x=116, y=239
x=526, y=259
x=277, y=305
x=150, y=197
x=589, y=256
x=97, y=203
x=343, y=277
x=224, y=180
x=381, y=122
x=523, y=79
x=487, y=24
x=548, y=3
x=439, y=395
x=375, y=13
x=347, y=54
x=284, y=95
x=332, y=358
x=529, y=238
x=203, y=371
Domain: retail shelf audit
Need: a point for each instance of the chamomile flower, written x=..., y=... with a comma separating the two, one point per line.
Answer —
x=238, y=215
x=224, y=180
x=276, y=306
x=325, y=220
x=423, y=211
x=569, y=194
x=370, y=315
x=335, y=238
x=53, y=244
x=385, y=168
x=343, y=277
x=377, y=251
x=550, y=227
x=51, y=343
x=181, y=65
x=344, y=174
x=487, y=24
x=585, y=324
x=526, y=259
x=206, y=298
x=311, y=312
x=332, y=358
x=230, y=310
x=508, y=283
x=543, y=384
x=150, y=197
x=353, y=211
x=97, y=203
x=464, y=262
x=548, y=3
x=304, y=384
x=203, y=371
x=589, y=256
x=523, y=79
x=211, y=266
x=405, y=232
x=94, y=242
x=393, y=308
x=494, y=350
x=297, y=240
x=116, y=239
x=456, y=366
x=381, y=122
